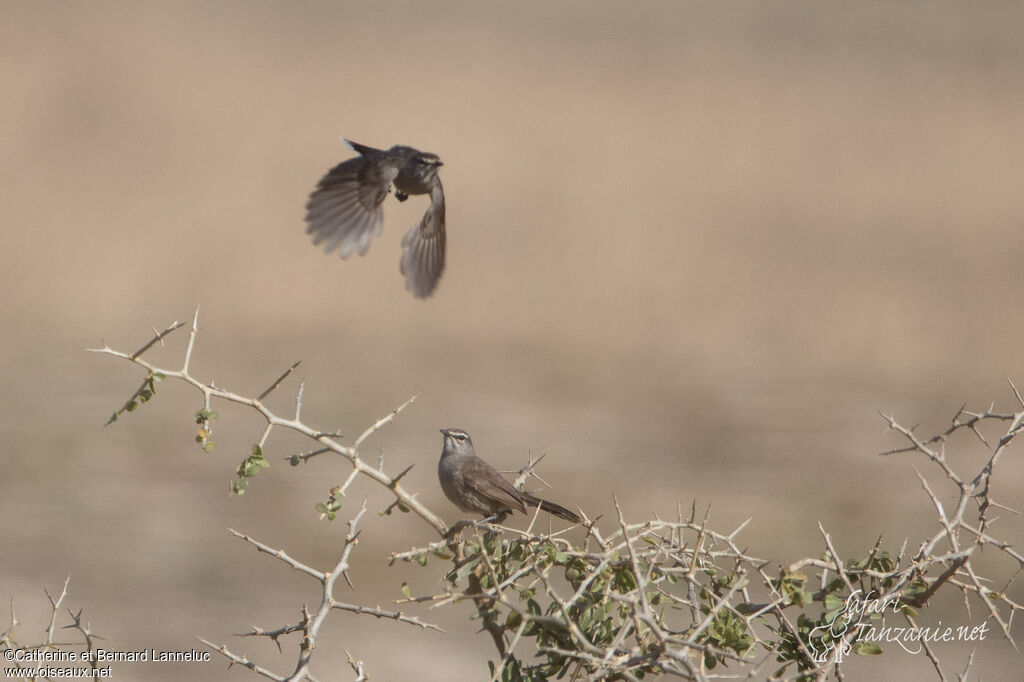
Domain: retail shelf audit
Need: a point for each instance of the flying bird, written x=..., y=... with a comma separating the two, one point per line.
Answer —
x=344, y=211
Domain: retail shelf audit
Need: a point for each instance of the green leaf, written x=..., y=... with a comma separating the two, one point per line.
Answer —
x=866, y=649
x=513, y=620
x=625, y=581
x=465, y=569
x=205, y=414
x=406, y=592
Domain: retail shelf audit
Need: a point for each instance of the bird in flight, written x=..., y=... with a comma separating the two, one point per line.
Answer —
x=344, y=211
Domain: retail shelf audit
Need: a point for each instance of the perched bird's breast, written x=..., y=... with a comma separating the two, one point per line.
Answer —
x=448, y=471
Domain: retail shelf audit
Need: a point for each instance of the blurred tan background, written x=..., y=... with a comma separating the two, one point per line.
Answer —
x=693, y=248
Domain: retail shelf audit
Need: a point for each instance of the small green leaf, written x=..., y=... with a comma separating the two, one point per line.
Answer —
x=866, y=649
x=513, y=620
x=465, y=569
x=205, y=414
x=406, y=592
x=625, y=581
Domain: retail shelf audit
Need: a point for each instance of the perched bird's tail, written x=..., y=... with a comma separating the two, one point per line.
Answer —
x=556, y=509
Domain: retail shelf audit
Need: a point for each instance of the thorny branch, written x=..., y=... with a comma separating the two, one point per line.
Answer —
x=10, y=643
x=326, y=439
x=671, y=597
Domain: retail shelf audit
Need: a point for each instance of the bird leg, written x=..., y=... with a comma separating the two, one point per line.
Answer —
x=496, y=518
x=458, y=526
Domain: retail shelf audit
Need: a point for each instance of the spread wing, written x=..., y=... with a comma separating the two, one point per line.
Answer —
x=423, y=247
x=344, y=209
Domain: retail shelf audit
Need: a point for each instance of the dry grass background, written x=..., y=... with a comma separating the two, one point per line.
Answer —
x=692, y=249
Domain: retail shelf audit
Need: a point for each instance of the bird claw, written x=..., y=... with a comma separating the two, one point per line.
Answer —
x=458, y=526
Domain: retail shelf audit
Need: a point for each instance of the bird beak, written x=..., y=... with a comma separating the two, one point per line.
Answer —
x=445, y=432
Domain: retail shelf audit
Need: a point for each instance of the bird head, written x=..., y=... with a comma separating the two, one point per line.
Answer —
x=457, y=441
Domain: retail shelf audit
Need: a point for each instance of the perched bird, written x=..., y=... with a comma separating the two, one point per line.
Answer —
x=345, y=209
x=473, y=485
